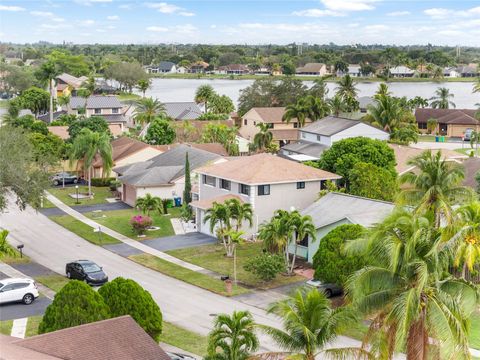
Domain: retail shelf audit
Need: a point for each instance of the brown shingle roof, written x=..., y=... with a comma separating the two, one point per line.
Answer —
x=265, y=169
x=215, y=148
x=290, y=134
x=447, y=116
x=270, y=114
x=310, y=68
x=207, y=203
x=472, y=168
x=122, y=148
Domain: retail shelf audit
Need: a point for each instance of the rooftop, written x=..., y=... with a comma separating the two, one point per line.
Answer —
x=310, y=68
x=447, y=116
x=96, y=102
x=312, y=149
x=331, y=125
x=123, y=147
x=182, y=110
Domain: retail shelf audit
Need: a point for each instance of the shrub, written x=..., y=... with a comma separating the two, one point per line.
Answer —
x=75, y=304
x=102, y=182
x=373, y=182
x=114, y=185
x=140, y=223
x=265, y=266
x=126, y=297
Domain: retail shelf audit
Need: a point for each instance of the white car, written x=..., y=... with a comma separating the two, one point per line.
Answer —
x=18, y=289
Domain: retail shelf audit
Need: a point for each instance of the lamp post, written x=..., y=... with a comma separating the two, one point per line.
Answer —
x=76, y=189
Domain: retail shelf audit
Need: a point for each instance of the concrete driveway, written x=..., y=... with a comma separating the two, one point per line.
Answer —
x=119, y=205
x=180, y=241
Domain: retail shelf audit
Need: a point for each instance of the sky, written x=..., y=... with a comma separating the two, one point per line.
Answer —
x=344, y=22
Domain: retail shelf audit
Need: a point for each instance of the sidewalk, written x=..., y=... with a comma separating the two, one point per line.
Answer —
x=126, y=240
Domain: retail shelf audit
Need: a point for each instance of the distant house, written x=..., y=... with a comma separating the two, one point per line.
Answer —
x=233, y=69
x=320, y=135
x=335, y=209
x=198, y=67
x=164, y=67
x=263, y=71
x=470, y=70
x=181, y=70
x=353, y=71
x=364, y=102
x=314, y=69
x=265, y=181
x=67, y=84
x=187, y=110
x=451, y=122
x=283, y=132
x=451, y=72
x=401, y=72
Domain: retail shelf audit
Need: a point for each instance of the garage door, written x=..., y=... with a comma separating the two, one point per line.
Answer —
x=204, y=228
x=129, y=194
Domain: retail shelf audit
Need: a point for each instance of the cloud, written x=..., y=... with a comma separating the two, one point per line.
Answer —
x=111, y=27
x=113, y=17
x=50, y=26
x=398, y=13
x=179, y=29
x=376, y=28
x=86, y=23
x=349, y=5
x=157, y=29
x=91, y=2
x=317, y=13
x=42, y=13
x=186, y=13
x=166, y=8
x=442, y=13
x=125, y=6
x=11, y=8
x=58, y=19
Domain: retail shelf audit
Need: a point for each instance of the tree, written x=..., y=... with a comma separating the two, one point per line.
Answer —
x=127, y=297
x=160, y=132
x=34, y=99
x=441, y=100
x=367, y=69
x=318, y=108
x=240, y=212
x=149, y=203
x=88, y=145
x=96, y=124
x=65, y=62
x=319, y=88
x=221, y=104
x=5, y=248
x=187, y=191
x=263, y=138
x=298, y=111
x=128, y=74
x=382, y=90
x=331, y=263
x=341, y=66
x=143, y=85
x=337, y=105
x=232, y=337
x=75, y=304
x=373, y=182
x=432, y=125
x=47, y=72
x=16, y=79
x=48, y=149
x=386, y=113
x=309, y=323
x=301, y=227
x=346, y=87
x=205, y=94
x=63, y=100
x=147, y=109
x=265, y=266
x=223, y=134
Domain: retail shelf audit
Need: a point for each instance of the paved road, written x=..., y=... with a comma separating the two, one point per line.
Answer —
x=119, y=205
x=185, y=305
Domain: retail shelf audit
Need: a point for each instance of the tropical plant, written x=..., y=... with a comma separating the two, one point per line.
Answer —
x=476, y=86
x=263, y=138
x=47, y=73
x=432, y=124
x=5, y=248
x=319, y=88
x=298, y=111
x=233, y=337
x=383, y=90
x=83, y=93
x=160, y=132
x=240, y=212
x=386, y=113
x=346, y=87
x=90, y=84
x=147, y=109
x=301, y=227
x=265, y=266
x=337, y=105
x=143, y=85
x=371, y=181
x=442, y=99
x=140, y=223
x=204, y=94
x=223, y=134
x=64, y=100
x=149, y=203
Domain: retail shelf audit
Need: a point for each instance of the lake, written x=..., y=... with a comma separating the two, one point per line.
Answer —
x=171, y=90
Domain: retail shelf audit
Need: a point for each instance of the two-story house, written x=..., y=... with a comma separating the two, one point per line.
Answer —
x=315, y=138
x=67, y=84
x=283, y=132
x=266, y=181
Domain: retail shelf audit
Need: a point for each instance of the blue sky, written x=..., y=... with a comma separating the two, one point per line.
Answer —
x=253, y=22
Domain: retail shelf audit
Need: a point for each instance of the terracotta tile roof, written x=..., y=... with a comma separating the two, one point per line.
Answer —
x=265, y=169
x=472, y=168
x=122, y=148
x=207, y=203
x=215, y=148
x=290, y=134
x=447, y=116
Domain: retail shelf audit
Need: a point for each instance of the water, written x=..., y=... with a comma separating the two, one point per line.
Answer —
x=171, y=90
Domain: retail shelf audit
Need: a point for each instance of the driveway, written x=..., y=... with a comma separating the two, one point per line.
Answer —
x=119, y=205
x=180, y=241
x=451, y=145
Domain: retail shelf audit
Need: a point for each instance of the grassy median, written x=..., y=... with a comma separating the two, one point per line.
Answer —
x=184, y=339
x=63, y=194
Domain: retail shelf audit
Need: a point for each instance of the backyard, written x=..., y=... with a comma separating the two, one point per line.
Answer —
x=63, y=194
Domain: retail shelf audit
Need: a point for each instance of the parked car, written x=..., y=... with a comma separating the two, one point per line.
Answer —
x=60, y=177
x=468, y=135
x=87, y=271
x=176, y=356
x=328, y=289
x=18, y=289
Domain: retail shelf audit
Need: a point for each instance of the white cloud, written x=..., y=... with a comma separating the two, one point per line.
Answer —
x=90, y=2
x=398, y=13
x=111, y=27
x=113, y=17
x=86, y=23
x=166, y=8
x=376, y=28
x=450, y=33
x=213, y=26
x=179, y=29
x=101, y=30
x=58, y=19
x=42, y=13
x=157, y=29
x=186, y=13
x=11, y=8
x=442, y=13
x=54, y=26
x=317, y=13
x=349, y=5
x=125, y=6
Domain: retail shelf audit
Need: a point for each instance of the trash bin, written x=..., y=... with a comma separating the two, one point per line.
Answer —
x=178, y=202
x=436, y=138
x=443, y=138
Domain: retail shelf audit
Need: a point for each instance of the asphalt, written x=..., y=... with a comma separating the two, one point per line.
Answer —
x=180, y=241
x=124, y=250
x=119, y=205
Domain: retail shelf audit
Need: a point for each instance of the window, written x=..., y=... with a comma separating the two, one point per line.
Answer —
x=8, y=287
x=323, y=184
x=263, y=190
x=244, y=189
x=20, y=285
x=301, y=185
x=209, y=180
x=422, y=126
x=304, y=241
x=225, y=184
x=245, y=121
x=319, y=138
x=98, y=111
x=295, y=125
x=270, y=125
x=115, y=111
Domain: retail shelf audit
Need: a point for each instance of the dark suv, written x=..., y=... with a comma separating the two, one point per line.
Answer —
x=87, y=271
x=62, y=177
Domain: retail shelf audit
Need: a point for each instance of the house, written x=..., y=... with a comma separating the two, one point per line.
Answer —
x=233, y=69
x=353, y=71
x=314, y=69
x=162, y=175
x=401, y=72
x=283, y=132
x=451, y=122
x=451, y=72
x=181, y=70
x=364, y=102
x=470, y=70
x=198, y=67
x=164, y=67
x=120, y=338
x=265, y=181
x=471, y=167
x=320, y=135
x=67, y=84
x=263, y=70
x=187, y=110
x=335, y=209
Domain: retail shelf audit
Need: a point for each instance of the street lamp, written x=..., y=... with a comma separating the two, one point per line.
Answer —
x=76, y=189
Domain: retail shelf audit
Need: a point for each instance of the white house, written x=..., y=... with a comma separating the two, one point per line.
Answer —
x=401, y=71
x=164, y=67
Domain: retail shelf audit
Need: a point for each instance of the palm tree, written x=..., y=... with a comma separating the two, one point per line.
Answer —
x=64, y=100
x=298, y=111
x=309, y=323
x=5, y=248
x=84, y=93
x=301, y=226
x=232, y=337
x=386, y=113
x=86, y=146
x=263, y=138
x=318, y=107
x=319, y=88
x=204, y=94
x=346, y=87
x=147, y=109
x=240, y=212
x=383, y=90
x=337, y=105
x=434, y=186
x=143, y=85
x=476, y=86
x=47, y=73
x=149, y=203
x=219, y=216
x=441, y=100
x=90, y=84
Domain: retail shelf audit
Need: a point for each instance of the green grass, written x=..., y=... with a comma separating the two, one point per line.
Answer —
x=83, y=230
x=55, y=282
x=63, y=194
x=184, y=339
x=47, y=204
x=3, y=104
x=6, y=327
x=475, y=331
x=465, y=151
x=14, y=258
x=213, y=257
x=119, y=220
x=32, y=325
x=127, y=96
x=188, y=276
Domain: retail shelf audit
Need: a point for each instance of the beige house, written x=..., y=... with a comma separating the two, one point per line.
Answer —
x=313, y=69
x=266, y=181
x=451, y=122
x=283, y=132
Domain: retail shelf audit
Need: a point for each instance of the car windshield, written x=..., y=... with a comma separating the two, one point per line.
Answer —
x=89, y=268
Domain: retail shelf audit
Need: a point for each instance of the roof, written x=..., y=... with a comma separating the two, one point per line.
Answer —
x=472, y=168
x=397, y=70
x=119, y=338
x=268, y=114
x=182, y=110
x=306, y=148
x=208, y=203
x=265, y=169
x=71, y=80
x=96, y=102
x=310, y=68
x=364, y=101
x=234, y=67
x=331, y=125
x=164, y=65
x=122, y=148
x=215, y=148
x=289, y=134
x=62, y=131
x=56, y=115
x=335, y=207
x=447, y=116
x=113, y=118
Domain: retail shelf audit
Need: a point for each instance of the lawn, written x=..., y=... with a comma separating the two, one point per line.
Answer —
x=125, y=96
x=83, y=230
x=16, y=259
x=63, y=194
x=54, y=282
x=32, y=325
x=119, y=220
x=475, y=330
x=465, y=151
x=212, y=257
x=184, y=339
x=47, y=204
x=6, y=327
x=188, y=276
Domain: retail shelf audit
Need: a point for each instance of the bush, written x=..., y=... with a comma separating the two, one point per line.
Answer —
x=373, y=182
x=102, y=182
x=140, y=223
x=160, y=132
x=330, y=262
x=265, y=266
x=75, y=304
x=114, y=185
x=126, y=297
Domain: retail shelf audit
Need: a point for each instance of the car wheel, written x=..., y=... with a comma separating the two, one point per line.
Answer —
x=69, y=275
x=56, y=183
x=28, y=299
x=328, y=293
x=75, y=181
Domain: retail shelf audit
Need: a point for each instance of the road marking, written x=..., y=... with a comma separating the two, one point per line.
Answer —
x=19, y=328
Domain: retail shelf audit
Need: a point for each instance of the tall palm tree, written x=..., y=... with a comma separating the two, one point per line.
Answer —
x=383, y=90
x=240, y=212
x=301, y=227
x=298, y=111
x=337, y=105
x=233, y=337
x=204, y=94
x=147, y=109
x=441, y=100
x=47, y=72
x=309, y=323
x=319, y=88
x=84, y=93
x=218, y=216
x=319, y=108
x=143, y=85
x=149, y=203
x=434, y=186
x=86, y=146
x=346, y=87
x=263, y=138
x=90, y=84
x=385, y=113
x=64, y=100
